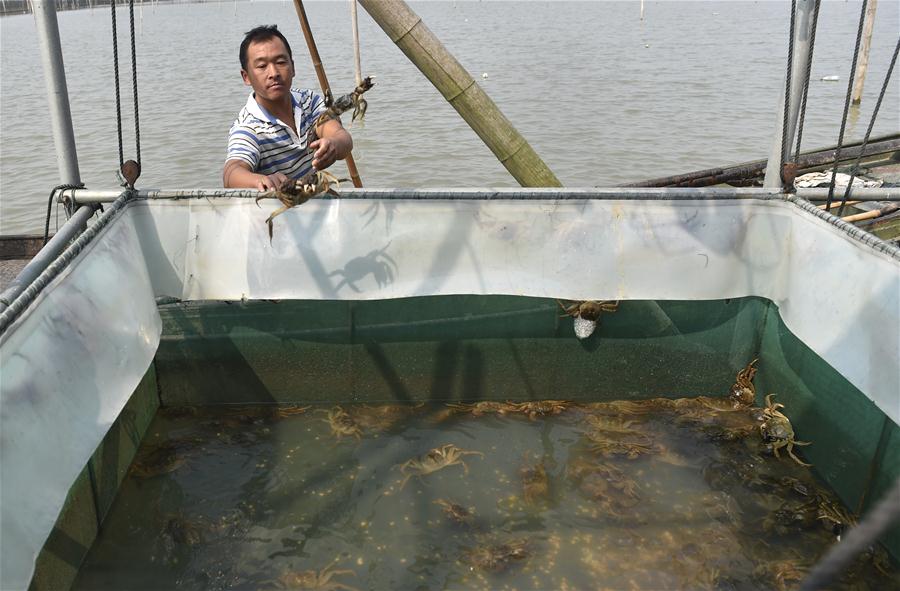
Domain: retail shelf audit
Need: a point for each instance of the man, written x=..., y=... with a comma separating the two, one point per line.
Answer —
x=267, y=145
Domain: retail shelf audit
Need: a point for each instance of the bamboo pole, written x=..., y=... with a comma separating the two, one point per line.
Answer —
x=409, y=33
x=862, y=65
x=834, y=204
x=323, y=80
x=355, y=21
x=875, y=213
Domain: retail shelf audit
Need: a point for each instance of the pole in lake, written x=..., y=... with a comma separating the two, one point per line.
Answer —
x=859, y=77
x=409, y=33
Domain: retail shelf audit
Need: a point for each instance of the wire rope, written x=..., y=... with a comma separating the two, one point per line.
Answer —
x=50, y=200
x=785, y=145
x=837, y=151
x=137, y=123
x=855, y=168
x=115, y=40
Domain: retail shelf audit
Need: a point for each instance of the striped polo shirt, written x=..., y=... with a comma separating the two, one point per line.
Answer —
x=268, y=144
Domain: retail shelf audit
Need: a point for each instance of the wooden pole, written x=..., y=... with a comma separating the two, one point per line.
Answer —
x=860, y=76
x=323, y=80
x=875, y=213
x=642, y=9
x=355, y=20
x=414, y=39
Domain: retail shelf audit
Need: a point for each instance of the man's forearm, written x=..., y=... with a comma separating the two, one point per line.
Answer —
x=237, y=175
x=343, y=143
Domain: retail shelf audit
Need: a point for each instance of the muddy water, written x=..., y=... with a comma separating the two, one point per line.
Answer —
x=655, y=495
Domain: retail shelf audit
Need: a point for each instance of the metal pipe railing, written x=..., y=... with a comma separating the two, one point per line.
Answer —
x=54, y=247
x=85, y=196
x=57, y=90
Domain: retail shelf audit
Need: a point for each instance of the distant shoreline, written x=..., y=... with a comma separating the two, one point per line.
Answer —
x=11, y=7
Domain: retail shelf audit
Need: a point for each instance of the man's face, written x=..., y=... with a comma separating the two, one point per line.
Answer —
x=269, y=69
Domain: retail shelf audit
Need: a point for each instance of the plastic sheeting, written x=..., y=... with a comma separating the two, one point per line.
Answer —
x=838, y=295
x=97, y=328
x=68, y=367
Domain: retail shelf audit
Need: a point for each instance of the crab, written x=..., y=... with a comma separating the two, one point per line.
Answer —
x=336, y=107
x=536, y=408
x=742, y=392
x=605, y=484
x=587, y=314
x=316, y=580
x=289, y=410
x=497, y=557
x=535, y=484
x=784, y=573
x=476, y=409
x=383, y=417
x=163, y=459
x=317, y=182
x=341, y=423
x=436, y=459
x=777, y=432
x=456, y=513
x=834, y=517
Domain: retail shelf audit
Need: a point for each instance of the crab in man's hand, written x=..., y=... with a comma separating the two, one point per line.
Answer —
x=302, y=190
x=587, y=314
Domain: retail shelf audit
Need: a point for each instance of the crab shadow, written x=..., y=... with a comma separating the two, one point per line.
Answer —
x=377, y=263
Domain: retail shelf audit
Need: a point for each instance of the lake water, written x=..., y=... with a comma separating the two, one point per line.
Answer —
x=602, y=97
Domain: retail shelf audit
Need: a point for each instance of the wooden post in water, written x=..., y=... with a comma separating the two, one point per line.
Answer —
x=860, y=76
x=410, y=34
x=355, y=20
x=323, y=80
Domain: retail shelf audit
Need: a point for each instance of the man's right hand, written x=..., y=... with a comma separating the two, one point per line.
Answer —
x=273, y=182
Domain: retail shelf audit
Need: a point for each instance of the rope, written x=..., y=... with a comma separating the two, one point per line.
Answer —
x=785, y=145
x=837, y=151
x=864, y=535
x=115, y=38
x=50, y=205
x=812, y=44
x=855, y=168
x=137, y=124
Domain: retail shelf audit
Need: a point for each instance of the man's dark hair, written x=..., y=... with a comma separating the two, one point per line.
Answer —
x=261, y=33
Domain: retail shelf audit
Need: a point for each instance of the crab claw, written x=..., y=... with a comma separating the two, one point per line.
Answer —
x=584, y=327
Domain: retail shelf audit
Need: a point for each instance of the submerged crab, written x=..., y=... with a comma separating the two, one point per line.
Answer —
x=777, y=432
x=535, y=484
x=316, y=580
x=496, y=557
x=383, y=417
x=341, y=423
x=302, y=190
x=742, y=392
x=604, y=484
x=537, y=408
x=785, y=574
x=476, y=409
x=434, y=460
x=456, y=513
x=160, y=460
x=587, y=314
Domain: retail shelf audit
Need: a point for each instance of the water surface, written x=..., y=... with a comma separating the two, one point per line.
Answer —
x=602, y=97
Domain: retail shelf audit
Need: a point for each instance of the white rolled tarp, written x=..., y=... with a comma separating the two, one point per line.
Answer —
x=71, y=362
x=67, y=368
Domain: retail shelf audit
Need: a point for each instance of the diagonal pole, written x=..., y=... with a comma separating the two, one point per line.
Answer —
x=323, y=80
